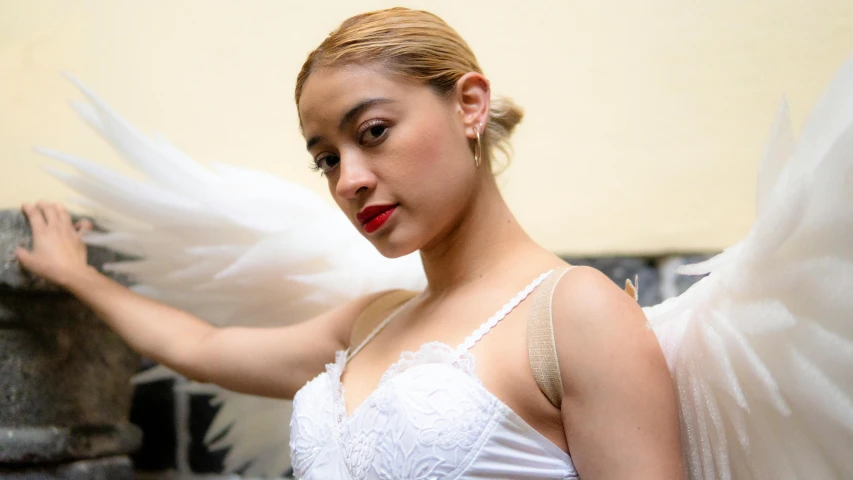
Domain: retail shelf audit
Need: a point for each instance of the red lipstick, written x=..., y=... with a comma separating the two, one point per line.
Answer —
x=374, y=216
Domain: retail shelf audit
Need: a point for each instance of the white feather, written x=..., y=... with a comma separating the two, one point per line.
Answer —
x=762, y=348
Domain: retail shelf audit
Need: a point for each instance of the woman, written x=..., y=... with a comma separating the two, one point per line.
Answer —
x=399, y=118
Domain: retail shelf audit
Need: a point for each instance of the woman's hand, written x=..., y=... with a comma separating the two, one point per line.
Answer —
x=58, y=249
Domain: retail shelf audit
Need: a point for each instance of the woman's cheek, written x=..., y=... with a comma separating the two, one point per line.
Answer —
x=427, y=143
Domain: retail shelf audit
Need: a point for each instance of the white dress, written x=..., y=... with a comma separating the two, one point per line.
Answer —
x=429, y=418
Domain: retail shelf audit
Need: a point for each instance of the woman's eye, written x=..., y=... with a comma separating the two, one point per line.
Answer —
x=371, y=132
x=326, y=163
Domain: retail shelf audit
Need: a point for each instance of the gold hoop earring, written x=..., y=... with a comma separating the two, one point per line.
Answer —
x=478, y=148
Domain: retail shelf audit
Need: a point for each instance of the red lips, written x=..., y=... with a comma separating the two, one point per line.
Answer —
x=374, y=216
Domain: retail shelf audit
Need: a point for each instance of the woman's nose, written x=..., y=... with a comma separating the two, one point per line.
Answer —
x=355, y=176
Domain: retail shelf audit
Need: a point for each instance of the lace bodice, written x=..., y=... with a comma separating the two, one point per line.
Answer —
x=430, y=417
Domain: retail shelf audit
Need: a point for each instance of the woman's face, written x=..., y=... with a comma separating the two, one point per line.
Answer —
x=396, y=155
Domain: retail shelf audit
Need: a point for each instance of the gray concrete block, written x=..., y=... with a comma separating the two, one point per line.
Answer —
x=110, y=468
x=64, y=375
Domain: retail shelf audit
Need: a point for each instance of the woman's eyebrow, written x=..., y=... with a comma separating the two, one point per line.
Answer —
x=353, y=112
x=350, y=115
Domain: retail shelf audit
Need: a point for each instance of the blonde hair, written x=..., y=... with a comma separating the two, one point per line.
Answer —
x=417, y=45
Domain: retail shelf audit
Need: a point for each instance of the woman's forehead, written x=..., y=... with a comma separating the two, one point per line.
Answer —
x=331, y=91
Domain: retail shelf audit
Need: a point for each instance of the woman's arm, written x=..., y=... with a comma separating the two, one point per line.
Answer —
x=275, y=362
x=262, y=361
x=619, y=406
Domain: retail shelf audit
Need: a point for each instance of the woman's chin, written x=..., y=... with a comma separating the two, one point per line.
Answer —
x=389, y=247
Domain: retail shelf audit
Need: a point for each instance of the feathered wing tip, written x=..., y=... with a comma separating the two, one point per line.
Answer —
x=252, y=430
x=230, y=245
x=779, y=148
x=761, y=349
x=632, y=288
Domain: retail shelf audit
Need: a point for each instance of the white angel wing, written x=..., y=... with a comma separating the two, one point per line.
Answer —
x=233, y=246
x=762, y=348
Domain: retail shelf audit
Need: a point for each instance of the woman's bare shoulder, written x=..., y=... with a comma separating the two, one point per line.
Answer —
x=618, y=395
x=595, y=320
x=586, y=298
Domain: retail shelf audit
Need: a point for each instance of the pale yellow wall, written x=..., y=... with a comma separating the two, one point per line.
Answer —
x=645, y=119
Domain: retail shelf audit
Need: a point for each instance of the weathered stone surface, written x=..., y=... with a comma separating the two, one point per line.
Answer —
x=64, y=376
x=33, y=445
x=109, y=468
x=161, y=475
x=15, y=232
x=60, y=365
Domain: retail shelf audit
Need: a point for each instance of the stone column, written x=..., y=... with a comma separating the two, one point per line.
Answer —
x=64, y=377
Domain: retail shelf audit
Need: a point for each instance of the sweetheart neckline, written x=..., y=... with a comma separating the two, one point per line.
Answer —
x=403, y=364
x=390, y=372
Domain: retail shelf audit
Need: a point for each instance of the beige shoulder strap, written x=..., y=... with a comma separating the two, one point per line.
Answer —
x=377, y=311
x=541, y=347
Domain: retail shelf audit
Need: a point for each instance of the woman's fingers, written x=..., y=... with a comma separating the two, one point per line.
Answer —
x=51, y=216
x=57, y=246
x=35, y=217
x=83, y=227
x=47, y=215
x=23, y=256
x=64, y=217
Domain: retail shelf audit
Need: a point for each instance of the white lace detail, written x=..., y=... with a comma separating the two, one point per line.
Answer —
x=501, y=314
x=432, y=352
x=310, y=428
x=430, y=417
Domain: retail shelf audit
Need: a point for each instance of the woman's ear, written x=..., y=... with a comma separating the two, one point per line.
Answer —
x=474, y=98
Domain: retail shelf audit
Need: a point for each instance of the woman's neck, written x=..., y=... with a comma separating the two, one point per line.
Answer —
x=488, y=239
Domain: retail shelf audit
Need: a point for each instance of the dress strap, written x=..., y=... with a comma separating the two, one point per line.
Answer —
x=541, y=348
x=500, y=314
x=396, y=300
